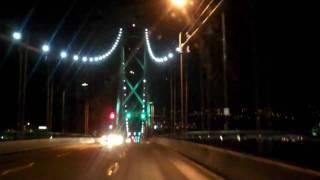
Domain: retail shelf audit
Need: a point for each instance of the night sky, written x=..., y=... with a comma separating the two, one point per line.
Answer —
x=272, y=56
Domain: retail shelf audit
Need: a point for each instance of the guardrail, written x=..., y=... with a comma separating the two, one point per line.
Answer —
x=277, y=145
x=8, y=147
x=234, y=165
x=11, y=135
x=238, y=134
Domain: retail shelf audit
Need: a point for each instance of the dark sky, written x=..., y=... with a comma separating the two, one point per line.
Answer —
x=272, y=47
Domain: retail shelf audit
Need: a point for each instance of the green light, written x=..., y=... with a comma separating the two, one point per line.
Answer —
x=143, y=116
x=128, y=116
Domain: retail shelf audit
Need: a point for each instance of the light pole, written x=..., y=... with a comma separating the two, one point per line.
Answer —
x=181, y=4
x=86, y=110
x=23, y=67
x=45, y=50
x=199, y=22
x=181, y=81
x=63, y=111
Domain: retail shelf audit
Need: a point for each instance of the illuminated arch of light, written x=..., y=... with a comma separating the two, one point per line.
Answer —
x=151, y=54
x=104, y=55
x=95, y=58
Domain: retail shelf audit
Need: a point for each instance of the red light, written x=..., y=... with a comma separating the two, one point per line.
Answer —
x=112, y=115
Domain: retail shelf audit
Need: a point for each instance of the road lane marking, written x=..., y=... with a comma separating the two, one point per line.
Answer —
x=122, y=154
x=188, y=170
x=113, y=169
x=17, y=169
x=83, y=148
x=63, y=154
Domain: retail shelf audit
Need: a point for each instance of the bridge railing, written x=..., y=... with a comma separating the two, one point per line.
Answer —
x=277, y=145
x=12, y=135
x=235, y=165
x=240, y=135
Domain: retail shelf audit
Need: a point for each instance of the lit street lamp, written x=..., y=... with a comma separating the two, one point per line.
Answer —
x=45, y=48
x=16, y=35
x=63, y=54
x=84, y=84
x=182, y=43
x=179, y=3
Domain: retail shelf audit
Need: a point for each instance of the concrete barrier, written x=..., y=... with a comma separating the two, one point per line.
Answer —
x=234, y=165
x=8, y=147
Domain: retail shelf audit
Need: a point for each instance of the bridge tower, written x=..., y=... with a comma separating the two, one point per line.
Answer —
x=133, y=106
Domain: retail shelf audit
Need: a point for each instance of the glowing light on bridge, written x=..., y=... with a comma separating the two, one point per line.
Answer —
x=63, y=54
x=84, y=84
x=16, y=35
x=113, y=47
x=45, y=48
x=76, y=57
x=153, y=57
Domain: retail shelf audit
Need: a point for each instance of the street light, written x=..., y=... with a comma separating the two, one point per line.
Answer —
x=63, y=54
x=84, y=59
x=76, y=57
x=179, y=3
x=45, y=48
x=181, y=48
x=16, y=35
x=84, y=84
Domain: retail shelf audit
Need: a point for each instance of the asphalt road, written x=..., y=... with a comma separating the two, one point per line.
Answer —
x=94, y=161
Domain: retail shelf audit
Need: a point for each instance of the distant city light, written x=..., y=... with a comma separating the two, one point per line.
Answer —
x=84, y=84
x=238, y=137
x=42, y=127
x=226, y=111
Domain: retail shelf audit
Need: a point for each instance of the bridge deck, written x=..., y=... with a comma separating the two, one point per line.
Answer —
x=92, y=161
